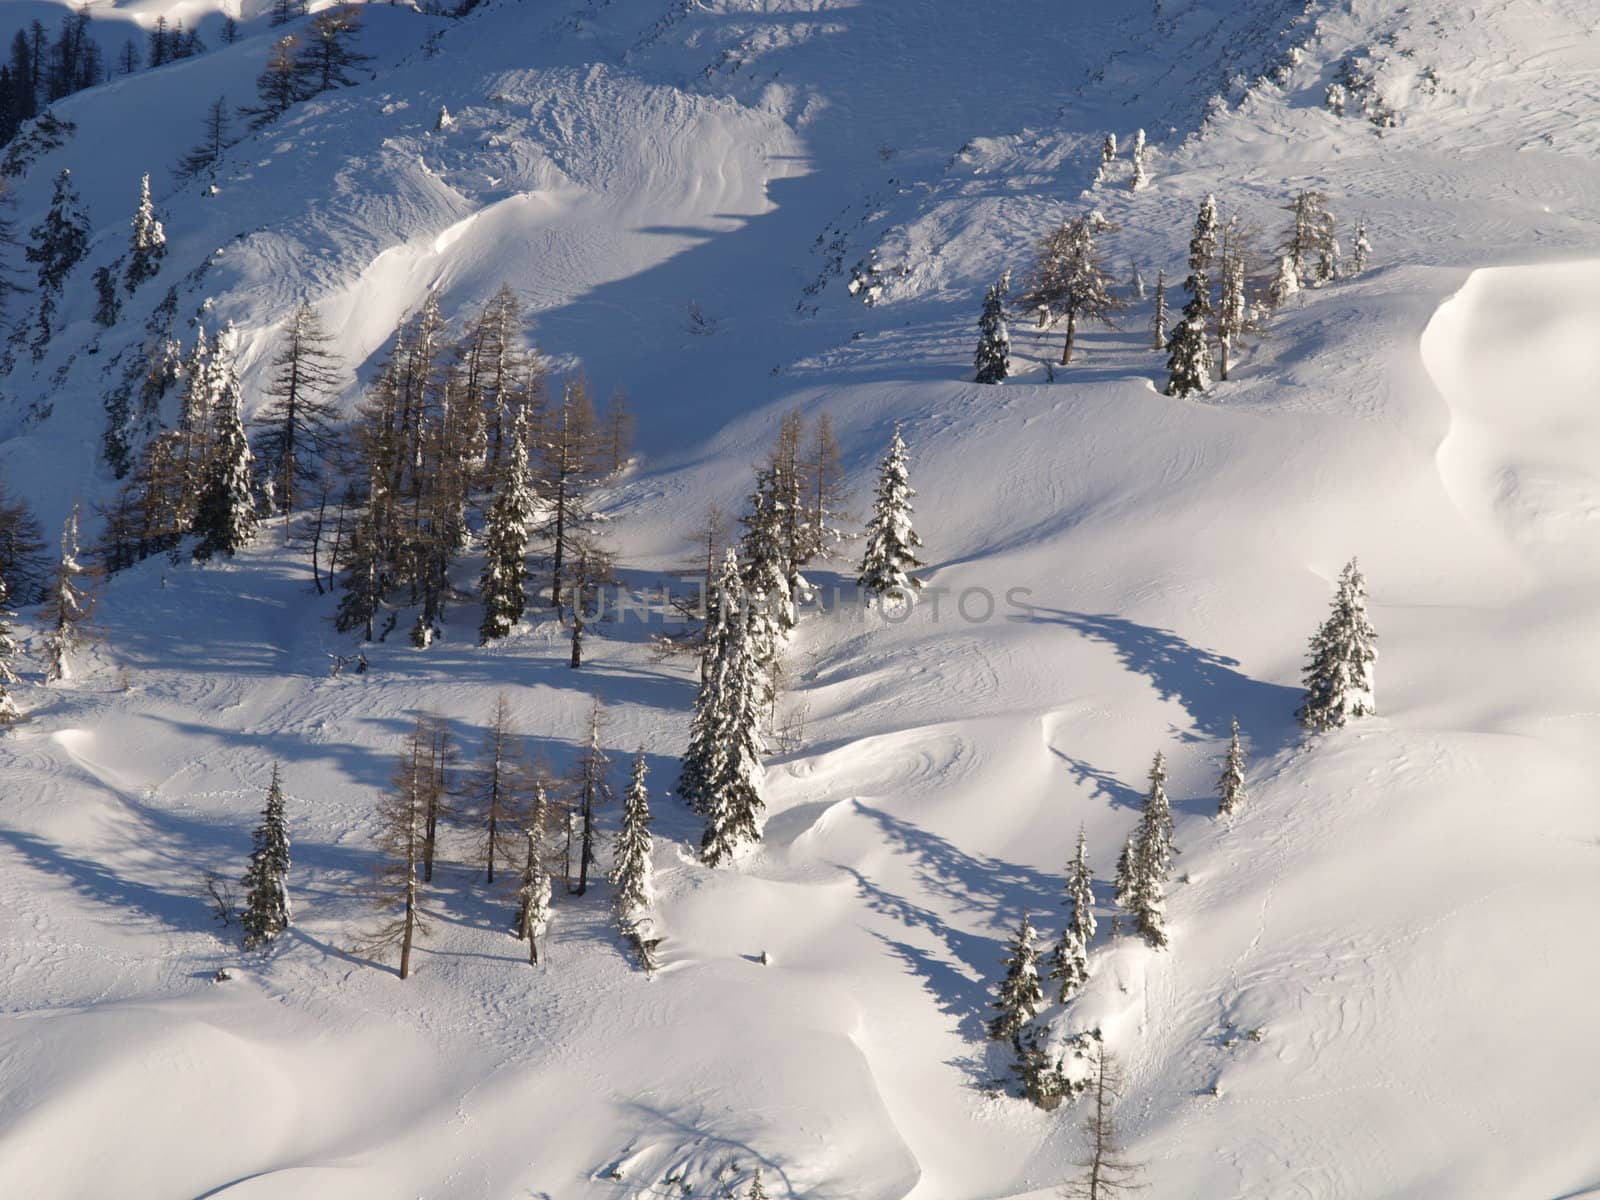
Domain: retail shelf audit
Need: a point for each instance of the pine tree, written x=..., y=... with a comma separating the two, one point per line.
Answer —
x=278, y=85
x=993, y=359
x=501, y=587
x=1159, y=326
x=494, y=788
x=297, y=421
x=769, y=603
x=533, y=896
x=1284, y=284
x=68, y=604
x=402, y=836
x=1019, y=998
x=1338, y=677
x=1189, y=361
x=891, y=542
x=1070, y=962
x=728, y=713
x=592, y=790
x=108, y=305
x=1360, y=249
x=1202, y=254
x=284, y=11
x=1107, y=1171
x=225, y=517
x=1071, y=278
x=1122, y=887
x=1310, y=244
x=1140, y=179
x=703, y=761
x=757, y=1190
x=10, y=714
x=215, y=143
x=1234, y=317
x=58, y=243
x=326, y=57
x=1150, y=861
x=1230, y=787
x=148, y=245
x=632, y=880
x=266, y=903
x=1108, y=155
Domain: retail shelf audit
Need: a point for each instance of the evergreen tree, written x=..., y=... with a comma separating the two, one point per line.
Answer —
x=769, y=603
x=1071, y=278
x=1310, y=244
x=827, y=492
x=1070, y=962
x=9, y=713
x=108, y=306
x=1230, y=787
x=1019, y=998
x=704, y=760
x=1234, y=316
x=534, y=895
x=278, y=85
x=1108, y=155
x=298, y=437
x=266, y=903
x=632, y=879
x=1360, y=249
x=148, y=245
x=326, y=57
x=1338, y=676
x=993, y=359
x=1189, y=360
x=1151, y=861
x=68, y=604
x=1202, y=254
x=501, y=587
x=592, y=789
x=736, y=700
x=891, y=542
x=757, y=1191
x=1284, y=284
x=1122, y=886
x=1159, y=326
x=23, y=562
x=215, y=143
x=1108, y=1173
x=283, y=11
x=1140, y=179
x=58, y=243
x=225, y=517
x=494, y=788
x=402, y=836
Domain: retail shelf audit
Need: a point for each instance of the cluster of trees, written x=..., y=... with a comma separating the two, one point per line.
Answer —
x=64, y=589
x=306, y=64
x=1231, y=286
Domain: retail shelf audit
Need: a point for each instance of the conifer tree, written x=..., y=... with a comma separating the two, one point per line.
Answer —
x=1140, y=179
x=722, y=772
x=1360, y=249
x=494, y=789
x=1230, y=787
x=1234, y=316
x=891, y=542
x=68, y=604
x=768, y=600
x=501, y=587
x=1159, y=326
x=1310, y=244
x=278, y=85
x=1108, y=1173
x=58, y=243
x=10, y=714
x=533, y=896
x=108, y=305
x=1071, y=279
x=703, y=761
x=1284, y=284
x=1189, y=360
x=757, y=1191
x=326, y=57
x=297, y=434
x=398, y=890
x=1122, y=886
x=992, y=361
x=218, y=137
x=1151, y=861
x=148, y=245
x=632, y=878
x=827, y=492
x=225, y=517
x=592, y=790
x=789, y=490
x=1338, y=677
x=266, y=903
x=1019, y=998
x=1070, y=963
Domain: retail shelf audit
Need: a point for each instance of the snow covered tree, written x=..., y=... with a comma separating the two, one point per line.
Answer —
x=533, y=896
x=397, y=890
x=590, y=785
x=1310, y=243
x=326, y=58
x=1230, y=787
x=992, y=362
x=703, y=761
x=148, y=245
x=1108, y=1172
x=225, y=517
x=1136, y=280
x=1108, y=155
x=1071, y=279
x=1122, y=886
x=1234, y=316
x=757, y=1190
x=493, y=786
x=215, y=143
x=1158, y=327
x=1360, y=249
x=297, y=433
x=1189, y=360
x=1019, y=998
x=1140, y=178
x=9, y=713
x=58, y=243
x=1285, y=284
x=68, y=604
x=501, y=587
x=1338, y=677
x=266, y=882
x=1069, y=964
x=632, y=878
x=891, y=542
x=1202, y=254
x=1150, y=861
x=769, y=603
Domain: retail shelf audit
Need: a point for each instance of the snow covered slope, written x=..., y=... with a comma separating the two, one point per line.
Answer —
x=1402, y=910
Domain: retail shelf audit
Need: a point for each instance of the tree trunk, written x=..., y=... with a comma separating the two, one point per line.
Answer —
x=1222, y=359
x=1072, y=329
x=411, y=921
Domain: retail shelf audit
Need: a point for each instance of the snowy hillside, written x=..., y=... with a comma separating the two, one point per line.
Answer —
x=1381, y=973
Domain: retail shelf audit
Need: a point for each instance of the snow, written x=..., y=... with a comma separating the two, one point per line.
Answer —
x=1402, y=909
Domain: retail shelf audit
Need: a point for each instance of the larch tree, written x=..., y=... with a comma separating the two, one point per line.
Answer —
x=592, y=789
x=632, y=877
x=588, y=568
x=10, y=714
x=267, y=911
x=494, y=790
x=1230, y=785
x=68, y=605
x=992, y=362
x=148, y=244
x=296, y=424
x=827, y=492
x=439, y=796
x=213, y=145
x=326, y=57
x=1071, y=279
x=891, y=541
x=1019, y=997
x=533, y=896
x=567, y=471
x=1339, y=674
x=1069, y=965
x=398, y=889
x=225, y=517
x=278, y=85
x=1107, y=1171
